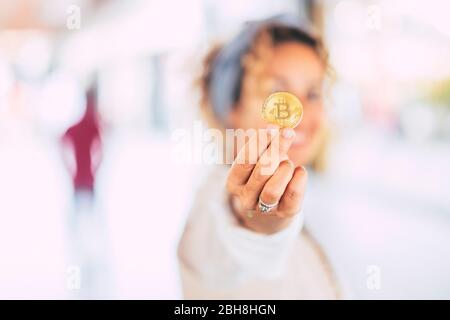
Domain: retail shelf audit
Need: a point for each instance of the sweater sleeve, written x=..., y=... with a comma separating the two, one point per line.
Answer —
x=217, y=253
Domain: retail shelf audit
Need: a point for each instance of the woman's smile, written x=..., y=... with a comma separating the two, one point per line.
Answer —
x=300, y=140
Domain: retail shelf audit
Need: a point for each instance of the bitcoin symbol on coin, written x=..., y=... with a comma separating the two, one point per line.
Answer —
x=282, y=109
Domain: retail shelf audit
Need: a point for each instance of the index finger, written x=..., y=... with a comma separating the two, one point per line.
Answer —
x=248, y=156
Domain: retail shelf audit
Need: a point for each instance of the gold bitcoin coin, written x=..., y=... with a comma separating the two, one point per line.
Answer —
x=282, y=109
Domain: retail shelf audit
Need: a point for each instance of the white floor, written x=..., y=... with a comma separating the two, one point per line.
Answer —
x=385, y=204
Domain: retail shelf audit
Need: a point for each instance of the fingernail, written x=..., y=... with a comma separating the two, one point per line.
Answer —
x=289, y=162
x=304, y=170
x=288, y=133
x=272, y=129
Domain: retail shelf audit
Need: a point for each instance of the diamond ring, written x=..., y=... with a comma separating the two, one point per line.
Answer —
x=264, y=207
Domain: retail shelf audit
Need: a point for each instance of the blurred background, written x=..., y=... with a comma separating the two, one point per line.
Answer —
x=104, y=84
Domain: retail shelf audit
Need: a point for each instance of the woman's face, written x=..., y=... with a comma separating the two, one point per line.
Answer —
x=295, y=68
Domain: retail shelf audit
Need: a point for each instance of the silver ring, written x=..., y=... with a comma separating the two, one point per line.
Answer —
x=264, y=207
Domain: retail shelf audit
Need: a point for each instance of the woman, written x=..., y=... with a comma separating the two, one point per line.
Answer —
x=230, y=248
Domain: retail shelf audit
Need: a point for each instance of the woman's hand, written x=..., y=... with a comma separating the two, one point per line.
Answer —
x=262, y=170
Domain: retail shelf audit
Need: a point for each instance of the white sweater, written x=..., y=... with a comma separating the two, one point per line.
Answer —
x=219, y=259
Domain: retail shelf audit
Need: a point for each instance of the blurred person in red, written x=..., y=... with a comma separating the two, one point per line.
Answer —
x=82, y=150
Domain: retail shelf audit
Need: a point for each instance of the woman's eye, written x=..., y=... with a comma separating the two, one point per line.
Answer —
x=314, y=96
